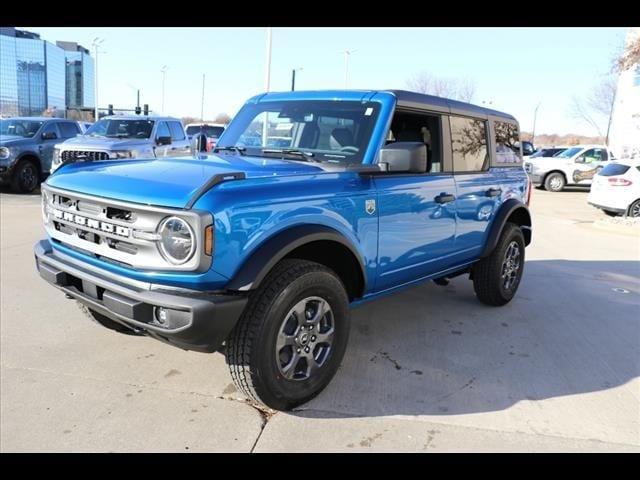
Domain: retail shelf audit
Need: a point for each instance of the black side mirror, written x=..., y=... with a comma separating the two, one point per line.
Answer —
x=580, y=159
x=49, y=136
x=404, y=157
x=163, y=140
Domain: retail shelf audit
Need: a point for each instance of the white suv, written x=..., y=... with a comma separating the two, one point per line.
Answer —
x=574, y=166
x=616, y=188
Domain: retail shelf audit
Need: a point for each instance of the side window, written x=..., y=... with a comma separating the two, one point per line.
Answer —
x=68, y=129
x=594, y=155
x=419, y=127
x=51, y=128
x=507, y=144
x=163, y=130
x=177, y=132
x=469, y=144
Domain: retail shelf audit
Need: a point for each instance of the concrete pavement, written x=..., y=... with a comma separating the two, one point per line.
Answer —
x=430, y=369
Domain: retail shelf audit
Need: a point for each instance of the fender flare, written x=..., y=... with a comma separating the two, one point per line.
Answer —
x=506, y=210
x=256, y=267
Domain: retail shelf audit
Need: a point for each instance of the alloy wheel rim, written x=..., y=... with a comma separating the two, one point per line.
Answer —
x=305, y=339
x=555, y=183
x=635, y=210
x=511, y=265
x=28, y=177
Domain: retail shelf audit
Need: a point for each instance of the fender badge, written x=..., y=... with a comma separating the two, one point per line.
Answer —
x=370, y=206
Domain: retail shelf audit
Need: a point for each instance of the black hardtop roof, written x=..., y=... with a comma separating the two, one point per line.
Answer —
x=440, y=103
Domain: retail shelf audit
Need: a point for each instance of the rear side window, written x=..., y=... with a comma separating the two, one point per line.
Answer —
x=69, y=129
x=507, y=144
x=614, y=169
x=469, y=144
x=177, y=132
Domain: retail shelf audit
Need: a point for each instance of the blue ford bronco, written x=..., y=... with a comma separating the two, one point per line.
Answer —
x=311, y=202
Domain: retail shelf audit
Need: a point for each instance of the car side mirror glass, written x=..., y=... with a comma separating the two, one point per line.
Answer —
x=49, y=136
x=404, y=157
x=580, y=159
x=163, y=140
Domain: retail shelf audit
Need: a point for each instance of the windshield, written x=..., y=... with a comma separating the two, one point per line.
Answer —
x=21, y=128
x=208, y=130
x=115, y=128
x=547, y=152
x=569, y=152
x=328, y=130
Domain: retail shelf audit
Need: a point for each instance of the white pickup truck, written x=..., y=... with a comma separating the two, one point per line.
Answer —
x=574, y=166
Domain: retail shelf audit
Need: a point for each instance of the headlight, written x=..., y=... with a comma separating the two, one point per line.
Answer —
x=45, y=207
x=122, y=154
x=177, y=241
x=4, y=153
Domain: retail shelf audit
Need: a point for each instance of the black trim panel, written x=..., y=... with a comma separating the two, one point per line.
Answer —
x=507, y=208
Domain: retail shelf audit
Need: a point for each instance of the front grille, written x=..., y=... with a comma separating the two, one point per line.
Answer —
x=118, y=231
x=74, y=155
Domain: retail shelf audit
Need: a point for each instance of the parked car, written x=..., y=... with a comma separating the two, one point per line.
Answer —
x=211, y=130
x=616, y=188
x=122, y=137
x=545, y=152
x=574, y=166
x=26, y=149
x=264, y=249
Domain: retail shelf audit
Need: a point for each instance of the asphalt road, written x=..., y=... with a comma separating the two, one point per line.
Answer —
x=428, y=370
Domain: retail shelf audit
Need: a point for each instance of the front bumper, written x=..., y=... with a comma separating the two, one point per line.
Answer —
x=195, y=320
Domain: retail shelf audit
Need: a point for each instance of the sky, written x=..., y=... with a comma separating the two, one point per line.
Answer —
x=513, y=68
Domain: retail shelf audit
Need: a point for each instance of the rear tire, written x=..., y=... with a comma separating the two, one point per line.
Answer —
x=276, y=354
x=554, y=182
x=496, y=278
x=634, y=210
x=26, y=177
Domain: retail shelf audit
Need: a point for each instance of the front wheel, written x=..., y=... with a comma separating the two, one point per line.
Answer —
x=291, y=338
x=554, y=182
x=496, y=278
x=25, y=178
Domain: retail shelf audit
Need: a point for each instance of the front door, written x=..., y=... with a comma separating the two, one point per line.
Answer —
x=45, y=149
x=417, y=226
x=587, y=164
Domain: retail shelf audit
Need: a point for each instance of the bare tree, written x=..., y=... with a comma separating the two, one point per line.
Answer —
x=595, y=110
x=222, y=118
x=425, y=82
x=630, y=56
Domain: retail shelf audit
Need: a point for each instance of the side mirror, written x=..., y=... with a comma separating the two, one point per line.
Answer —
x=49, y=136
x=404, y=157
x=163, y=140
x=580, y=159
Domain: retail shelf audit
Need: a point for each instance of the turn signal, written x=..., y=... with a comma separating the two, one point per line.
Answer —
x=208, y=240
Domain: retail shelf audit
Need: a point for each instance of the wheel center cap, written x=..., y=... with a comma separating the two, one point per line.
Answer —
x=303, y=339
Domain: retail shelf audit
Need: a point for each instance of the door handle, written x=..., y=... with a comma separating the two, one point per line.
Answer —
x=493, y=192
x=445, y=198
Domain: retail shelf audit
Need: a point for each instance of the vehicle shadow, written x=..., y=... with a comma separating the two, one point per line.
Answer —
x=437, y=351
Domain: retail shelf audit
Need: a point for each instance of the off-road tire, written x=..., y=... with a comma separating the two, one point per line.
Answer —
x=26, y=177
x=549, y=179
x=487, y=273
x=250, y=348
x=106, y=322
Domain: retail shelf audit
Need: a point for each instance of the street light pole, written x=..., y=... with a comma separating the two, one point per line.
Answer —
x=202, y=103
x=535, y=116
x=96, y=42
x=164, y=72
x=293, y=78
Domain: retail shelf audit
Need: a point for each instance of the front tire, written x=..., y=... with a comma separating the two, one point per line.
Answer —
x=496, y=278
x=25, y=177
x=554, y=182
x=291, y=338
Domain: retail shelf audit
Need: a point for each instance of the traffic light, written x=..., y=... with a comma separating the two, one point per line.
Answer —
x=146, y=109
x=110, y=109
x=138, y=110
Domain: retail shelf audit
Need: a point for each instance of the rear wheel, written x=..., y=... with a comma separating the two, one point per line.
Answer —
x=291, y=338
x=554, y=182
x=25, y=177
x=496, y=278
x=634, y=209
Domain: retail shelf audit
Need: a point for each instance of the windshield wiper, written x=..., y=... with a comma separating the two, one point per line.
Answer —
x=291, y=151
x=232, y=148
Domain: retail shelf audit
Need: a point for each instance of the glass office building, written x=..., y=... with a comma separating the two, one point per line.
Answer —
x=34, y=75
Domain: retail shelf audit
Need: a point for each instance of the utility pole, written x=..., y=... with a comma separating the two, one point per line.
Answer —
x=347, y=54
x=164, y=72
x=535, y=116
x=96, y=42
x=202, y=103
x=293, y=78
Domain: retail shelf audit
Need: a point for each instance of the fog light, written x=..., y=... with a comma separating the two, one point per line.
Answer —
x=162, y=315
